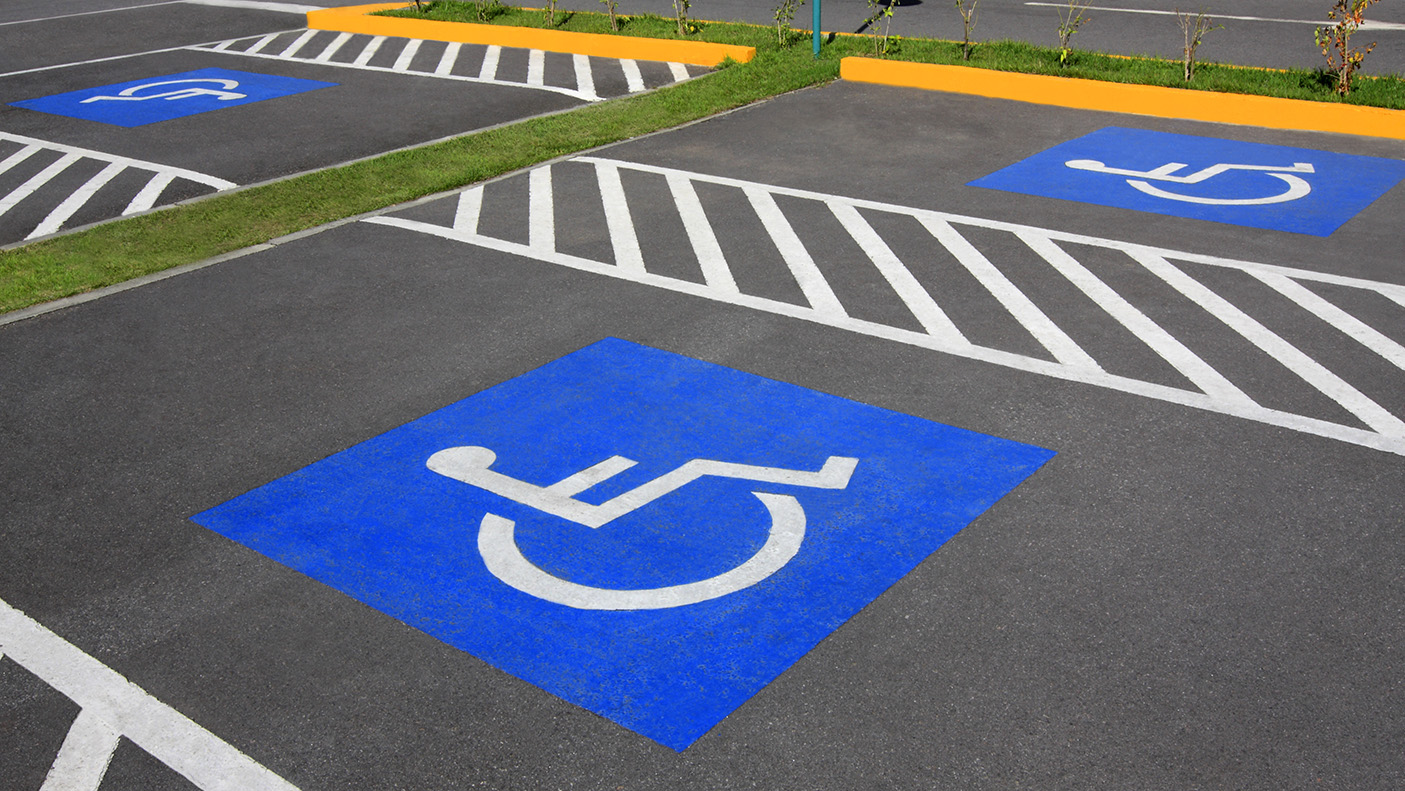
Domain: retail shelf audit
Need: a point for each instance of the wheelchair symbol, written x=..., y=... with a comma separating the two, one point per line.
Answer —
x=134, y=94
x=1297, y=186
x=498, y=546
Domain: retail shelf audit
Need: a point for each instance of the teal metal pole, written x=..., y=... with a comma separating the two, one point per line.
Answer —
x=815, y=27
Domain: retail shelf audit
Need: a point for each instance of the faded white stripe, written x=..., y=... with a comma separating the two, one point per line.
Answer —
x=700, y=235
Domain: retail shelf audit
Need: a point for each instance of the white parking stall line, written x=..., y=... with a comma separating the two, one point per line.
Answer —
x=84, y=756
x=298, y=43
x=19, y=156
x=1206, y=386
x=541, y=211
x=331, y=49
x=36, y=181
x=621, y=226
x=257, y=5
x=448, y=59
x=489, y=70
x=74, y=202
x=700, y=234
x=679, y=71
x=802, y=266
x=201, y=178
x=469, y=208
x=536, y=67
x=1035, y=321
x=407, y=55
x=585, y=81
x=632, y=75
x=112, y=707
x=369, y=51
x=918, y=301
x=146, y=198
x=258, y=45
x=1367, y=26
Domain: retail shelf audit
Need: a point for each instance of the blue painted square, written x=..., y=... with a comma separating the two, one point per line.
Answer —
x=146, y=101
x=375, y=522
x=1300, y=190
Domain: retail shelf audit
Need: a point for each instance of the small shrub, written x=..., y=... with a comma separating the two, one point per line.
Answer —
x=611, y=6
x=1194, y=26
x=1071, y=17
x=880, y=20
x=785, y=15
x=1343, y=60
x=968, y=18
x=680, y=13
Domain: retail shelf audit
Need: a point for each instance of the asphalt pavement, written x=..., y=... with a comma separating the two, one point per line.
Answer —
x=1122, y=514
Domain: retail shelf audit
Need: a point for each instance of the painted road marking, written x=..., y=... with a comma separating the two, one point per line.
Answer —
x=1368, y=26
x=67, y=204
x=1251, y=184
x=651, y=537
x=113, y=708
x=154, y=99
x=595, y=78
x=1176, y=337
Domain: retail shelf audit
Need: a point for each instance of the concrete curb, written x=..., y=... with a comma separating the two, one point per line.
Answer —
x=1225, y=108
x=355, y=19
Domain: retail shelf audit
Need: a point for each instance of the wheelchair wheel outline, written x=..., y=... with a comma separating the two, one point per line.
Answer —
x=497, y=544
x=1297, y=188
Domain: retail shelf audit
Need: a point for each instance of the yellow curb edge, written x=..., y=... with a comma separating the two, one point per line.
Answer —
x=1225, y=108
x=354, y=19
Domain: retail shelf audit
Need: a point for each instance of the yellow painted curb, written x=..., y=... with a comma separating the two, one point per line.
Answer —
x=354, y=19
x=1225, y=108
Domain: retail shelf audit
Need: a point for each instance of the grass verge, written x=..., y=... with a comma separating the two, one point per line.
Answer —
x=123, y=250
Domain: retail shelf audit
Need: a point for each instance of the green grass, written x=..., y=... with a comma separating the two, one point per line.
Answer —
x=122, y=250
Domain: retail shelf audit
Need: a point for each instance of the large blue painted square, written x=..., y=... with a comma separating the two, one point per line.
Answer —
x=146, y=101
x=704, y=581
x=1280, y=188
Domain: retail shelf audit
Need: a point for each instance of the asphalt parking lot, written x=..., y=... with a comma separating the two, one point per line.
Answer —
x=1121, y=514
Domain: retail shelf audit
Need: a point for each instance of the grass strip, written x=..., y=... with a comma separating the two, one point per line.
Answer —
x=119, y=251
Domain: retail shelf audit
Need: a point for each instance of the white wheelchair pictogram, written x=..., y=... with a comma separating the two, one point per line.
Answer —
x=1298, y=187
x=136, y=93
x=498, y=545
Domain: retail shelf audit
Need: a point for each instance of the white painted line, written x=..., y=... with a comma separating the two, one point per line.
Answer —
x=369, y=51
x=617, y=219
x=407, y=55
x=169, y=736
x=223, y=45
x=704, y=241
x=632, y=77
x=332, y=48
x=1082, y=375
x=447, y=60
x=469, y=208
x=74, y=202
x=82, y=760
x=298, y=43
x=801, y=264
x=19, y=156
x=199, y=178
x=932, y=318
x=489, y=71
x=1147, y=331
x=575, y=484
x=1367, y=27
x=1348, y=324
x=1034, y=320
x=680, y=72
x=1312, y=372
x=147, y=197
x=89, y=13
x=541, y=211
x=261, y=43
x=258, y=5
x=585, y=81
x=536, y=67
x=114, y=57
x=36, y=181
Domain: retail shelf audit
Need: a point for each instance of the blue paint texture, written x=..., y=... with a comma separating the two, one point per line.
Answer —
x=1341, y=184
x=373, y=522
x=132, y=112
